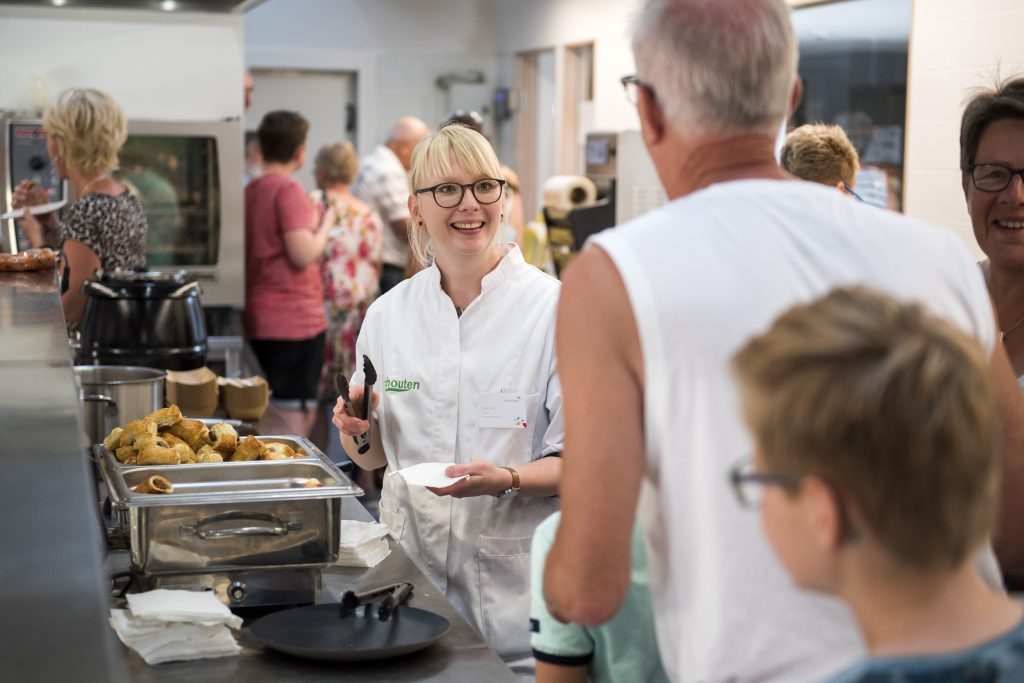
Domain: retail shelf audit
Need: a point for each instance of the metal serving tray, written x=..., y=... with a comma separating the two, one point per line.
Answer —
x=256, y=514
x=297, y=443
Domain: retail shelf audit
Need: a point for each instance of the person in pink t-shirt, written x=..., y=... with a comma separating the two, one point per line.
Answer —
x=284, y=313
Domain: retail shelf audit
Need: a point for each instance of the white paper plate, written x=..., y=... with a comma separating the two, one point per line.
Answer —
x=429, y=474
x=34, y=210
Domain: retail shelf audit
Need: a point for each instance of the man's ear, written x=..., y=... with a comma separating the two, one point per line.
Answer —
x=825, y=513
x=652, y=117
x=796, y=95
x=963, y=184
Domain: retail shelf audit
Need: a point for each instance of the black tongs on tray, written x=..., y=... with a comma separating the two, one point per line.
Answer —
x=370, y=378
x=389, y=598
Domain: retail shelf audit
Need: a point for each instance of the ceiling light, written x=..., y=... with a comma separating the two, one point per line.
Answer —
x=58, y=3
x=168, y=5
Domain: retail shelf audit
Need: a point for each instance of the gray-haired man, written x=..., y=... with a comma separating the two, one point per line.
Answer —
x=650, y=318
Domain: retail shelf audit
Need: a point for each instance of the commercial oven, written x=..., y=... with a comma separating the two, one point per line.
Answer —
x=188, y=176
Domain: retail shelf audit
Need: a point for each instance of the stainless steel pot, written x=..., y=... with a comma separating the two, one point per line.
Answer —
x=114, y=395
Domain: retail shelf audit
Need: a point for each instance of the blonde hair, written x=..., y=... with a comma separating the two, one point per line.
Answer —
x=88, y=129
x=434, y=157
x=336, y=164
x=893, y=407
x=820, y=153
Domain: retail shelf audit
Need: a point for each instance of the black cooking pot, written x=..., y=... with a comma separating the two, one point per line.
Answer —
x=149, y=319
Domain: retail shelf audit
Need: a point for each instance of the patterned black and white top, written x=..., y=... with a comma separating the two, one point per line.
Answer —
x=112, y=226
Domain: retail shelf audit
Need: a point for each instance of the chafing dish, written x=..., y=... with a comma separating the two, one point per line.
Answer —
x=230, y=516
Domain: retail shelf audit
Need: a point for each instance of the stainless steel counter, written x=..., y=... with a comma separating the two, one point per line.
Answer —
x=54, y=596
x=53, y=602
x=460, y=656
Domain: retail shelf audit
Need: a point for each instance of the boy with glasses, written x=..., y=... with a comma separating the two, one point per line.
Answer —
x=876, y=469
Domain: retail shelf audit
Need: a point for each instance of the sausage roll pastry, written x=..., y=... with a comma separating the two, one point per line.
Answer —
x=224, y=438
x=113, y=439
x=165, y=417
x=155, y=484
x=147, y=439
x=209, y=456
x=250, y=449
x=274, y=455
x=192, y=432
x=151, y=454
x=173, y=440
x=186, y=454
x=281, y=451
x=126, y=454
x=136, y=428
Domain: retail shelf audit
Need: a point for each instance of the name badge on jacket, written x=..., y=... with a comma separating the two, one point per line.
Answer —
x=502, y=411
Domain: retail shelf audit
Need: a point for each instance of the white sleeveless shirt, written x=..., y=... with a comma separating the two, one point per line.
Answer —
x=704, y=274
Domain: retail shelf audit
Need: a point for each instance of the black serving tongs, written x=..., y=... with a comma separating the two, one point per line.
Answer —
x=370, y=378
x=389, y=597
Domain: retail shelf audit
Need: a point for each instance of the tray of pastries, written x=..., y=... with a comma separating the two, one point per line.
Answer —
x=166, y=437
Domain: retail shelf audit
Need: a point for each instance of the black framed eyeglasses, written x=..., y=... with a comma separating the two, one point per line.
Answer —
x=748, y=484
x=632, y=85
x=993, y=177
x=448, y=195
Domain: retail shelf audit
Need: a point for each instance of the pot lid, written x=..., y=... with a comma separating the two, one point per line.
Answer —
x=133, y=285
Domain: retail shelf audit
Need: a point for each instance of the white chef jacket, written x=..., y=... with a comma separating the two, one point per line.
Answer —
x=432, y=368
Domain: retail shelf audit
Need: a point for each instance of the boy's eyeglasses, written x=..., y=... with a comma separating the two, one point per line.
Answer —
x=449, y=195
x=632, y=85
x=748, y=484
x=849, y=189
x=993, y=177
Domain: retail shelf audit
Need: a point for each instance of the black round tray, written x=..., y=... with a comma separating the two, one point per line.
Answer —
x=319, y=632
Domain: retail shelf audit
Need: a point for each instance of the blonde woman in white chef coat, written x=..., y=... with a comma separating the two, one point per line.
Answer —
x=465, y=360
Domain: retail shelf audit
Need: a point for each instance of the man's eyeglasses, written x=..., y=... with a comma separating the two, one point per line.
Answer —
x=993, y=177
x=849, y=189
x=632, y=85
x=449, y=195
x=748, y=485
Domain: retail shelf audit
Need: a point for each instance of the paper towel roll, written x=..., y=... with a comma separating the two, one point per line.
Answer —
x=564, y=192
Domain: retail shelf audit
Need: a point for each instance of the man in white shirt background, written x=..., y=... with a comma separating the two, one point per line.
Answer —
x=383, y=183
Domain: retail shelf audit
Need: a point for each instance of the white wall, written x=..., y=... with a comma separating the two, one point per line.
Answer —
x=155, y=65
x=398, y=48
x=955, y=45
x=539, y=24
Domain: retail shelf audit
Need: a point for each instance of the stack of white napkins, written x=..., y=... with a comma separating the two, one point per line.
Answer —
x=363, y=544
x=169, y=625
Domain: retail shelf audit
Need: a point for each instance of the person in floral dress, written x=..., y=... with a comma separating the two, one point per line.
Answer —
x=351, y=261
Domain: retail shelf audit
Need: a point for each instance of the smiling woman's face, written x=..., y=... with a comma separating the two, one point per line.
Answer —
x=465, y=230
x=998, y=217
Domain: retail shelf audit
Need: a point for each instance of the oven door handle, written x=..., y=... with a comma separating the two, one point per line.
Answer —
x=277, y=526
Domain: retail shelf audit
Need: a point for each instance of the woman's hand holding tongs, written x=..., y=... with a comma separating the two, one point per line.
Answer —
x=344, y=414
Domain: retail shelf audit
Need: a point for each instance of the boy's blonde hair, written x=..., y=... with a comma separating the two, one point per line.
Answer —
x=89, y=130
x=891, y=406
x=433, y=158
x=820, y=153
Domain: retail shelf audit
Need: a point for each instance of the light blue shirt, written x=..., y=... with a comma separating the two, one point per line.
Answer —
x=624, y=649
x=1000, y=660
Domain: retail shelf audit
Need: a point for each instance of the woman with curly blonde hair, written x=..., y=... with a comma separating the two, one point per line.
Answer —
x=106, y=225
